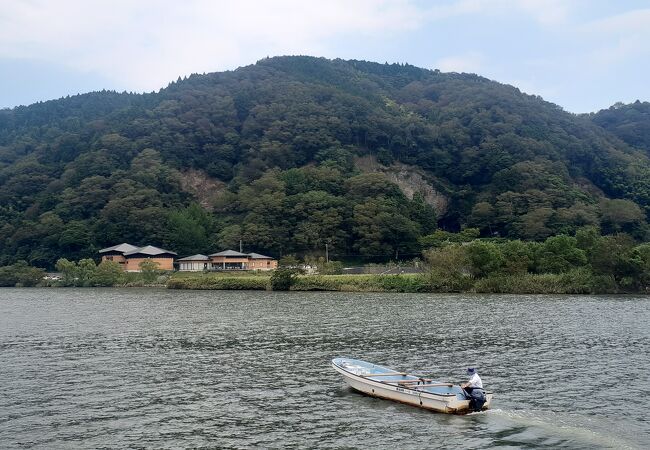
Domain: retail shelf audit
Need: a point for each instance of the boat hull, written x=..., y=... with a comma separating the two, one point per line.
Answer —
x=451, y=402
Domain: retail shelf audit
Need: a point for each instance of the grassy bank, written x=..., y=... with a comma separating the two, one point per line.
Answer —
x=218, y=281
x=573, y=282
x=343, y=283
x=361, y=283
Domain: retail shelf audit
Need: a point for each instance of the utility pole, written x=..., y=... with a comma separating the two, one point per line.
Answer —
x=327, y=255
x=241, y=249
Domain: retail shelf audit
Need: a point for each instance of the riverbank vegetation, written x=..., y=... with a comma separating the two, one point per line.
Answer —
x=218, y=281
x=586, y=263
x=21, y=274
x=583, y=264
x=86, y=273
x=290, y=281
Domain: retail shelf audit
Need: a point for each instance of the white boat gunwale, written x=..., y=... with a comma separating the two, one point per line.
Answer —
x=366, y=378
x=417, y=395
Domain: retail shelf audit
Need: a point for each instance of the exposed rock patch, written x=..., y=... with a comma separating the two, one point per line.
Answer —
x=410, y=180
x=204, y=188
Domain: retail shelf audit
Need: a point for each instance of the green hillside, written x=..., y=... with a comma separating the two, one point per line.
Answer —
x=293, y=153
x=631, y=123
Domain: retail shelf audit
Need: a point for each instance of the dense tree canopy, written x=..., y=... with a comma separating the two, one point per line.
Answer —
x=278, y=148
x=631, y=123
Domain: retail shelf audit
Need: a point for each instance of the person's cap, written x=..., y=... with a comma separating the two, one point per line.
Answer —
x=471, y=371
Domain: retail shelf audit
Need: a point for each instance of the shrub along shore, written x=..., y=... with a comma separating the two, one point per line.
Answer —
x=573, y=282
x=576, y=281
x=586, y=263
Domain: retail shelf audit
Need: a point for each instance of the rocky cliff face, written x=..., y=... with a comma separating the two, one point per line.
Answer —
x=410, y=179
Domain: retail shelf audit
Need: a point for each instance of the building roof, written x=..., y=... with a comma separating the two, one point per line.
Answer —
x=198, y=257
x=149, y=250
x=230, y=253
x=258, y=256
x=122, y=248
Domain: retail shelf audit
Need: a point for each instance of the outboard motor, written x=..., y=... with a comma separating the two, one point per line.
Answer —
x=476, y=399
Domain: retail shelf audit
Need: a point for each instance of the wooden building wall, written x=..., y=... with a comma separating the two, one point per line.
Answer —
x=133, y=264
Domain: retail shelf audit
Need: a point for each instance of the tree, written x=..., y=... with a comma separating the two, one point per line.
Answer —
x=449, y=268
x=381, y=231
x=517, y=257
x=485, y=258
x=188, y=229
x=69, y=271
x=610, y=255
x=28, y=276
x=86, y=269
x=76, y=239
x=229, y=236
x=108, y=273
x=318, y=219
x=641, y=253
x=20, y=274
x=534, y=224
x=149, y=270
x=619, y=215
x=8, y=276
x=559, y=254
x=483, y=216
x=283, y=278
x=288, y=261
x=423, y=214
x=385, y=157
x=586, y=238
x=440, y=238
x=371, y=185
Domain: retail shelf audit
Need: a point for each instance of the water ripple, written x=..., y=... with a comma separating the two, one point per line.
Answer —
x=148, y=368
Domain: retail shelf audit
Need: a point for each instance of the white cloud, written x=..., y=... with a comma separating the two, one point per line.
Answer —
x=145, y=44
x=545, y=12
x=629, y=22
x=618, y=38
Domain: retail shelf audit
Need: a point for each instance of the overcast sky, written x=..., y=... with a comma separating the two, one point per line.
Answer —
x=583, y=55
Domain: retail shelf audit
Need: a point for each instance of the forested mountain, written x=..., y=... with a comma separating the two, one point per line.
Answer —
x=295, y=152
x=630, y=122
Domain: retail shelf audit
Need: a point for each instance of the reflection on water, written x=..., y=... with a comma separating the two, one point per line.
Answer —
x=93, y=368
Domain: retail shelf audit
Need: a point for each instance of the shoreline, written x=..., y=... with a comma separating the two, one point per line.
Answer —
x=571, y=283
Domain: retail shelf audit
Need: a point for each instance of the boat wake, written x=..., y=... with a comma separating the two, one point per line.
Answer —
x=555, y=429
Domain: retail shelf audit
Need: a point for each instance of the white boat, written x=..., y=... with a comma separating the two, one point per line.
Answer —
x=382, y=382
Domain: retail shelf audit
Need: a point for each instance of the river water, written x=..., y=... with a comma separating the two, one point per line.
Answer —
x=90, y=368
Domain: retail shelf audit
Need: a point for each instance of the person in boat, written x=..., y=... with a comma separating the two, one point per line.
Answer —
x=474, y=381
x=473, y=390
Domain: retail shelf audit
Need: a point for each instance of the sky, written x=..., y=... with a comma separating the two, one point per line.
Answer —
x=583, y=55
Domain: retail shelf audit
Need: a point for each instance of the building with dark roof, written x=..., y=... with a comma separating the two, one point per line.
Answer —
x=130, y=256
x=229, y=260
x=232, y=260
x=261, y=262
x=116, y=253
x=164, y=258
x=194, y=263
